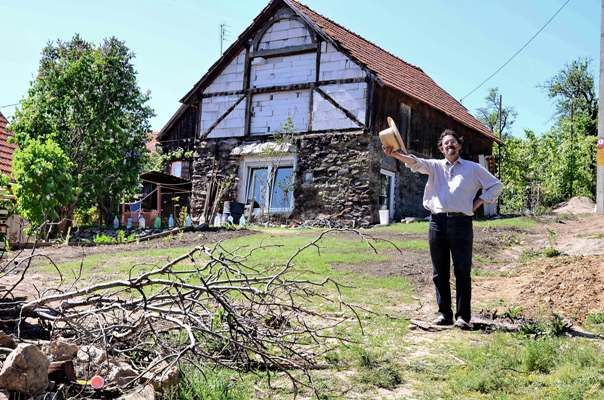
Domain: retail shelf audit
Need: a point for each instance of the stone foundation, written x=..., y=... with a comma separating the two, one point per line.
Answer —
x=336, y=179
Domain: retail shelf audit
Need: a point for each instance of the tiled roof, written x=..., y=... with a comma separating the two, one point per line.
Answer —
x=6, y=149
x=391, y=70
x=151, y=141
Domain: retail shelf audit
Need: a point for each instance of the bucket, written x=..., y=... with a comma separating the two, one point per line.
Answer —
x=384, y=217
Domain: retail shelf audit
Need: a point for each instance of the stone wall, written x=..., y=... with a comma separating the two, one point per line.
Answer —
x=336, y=177
x=212, y=155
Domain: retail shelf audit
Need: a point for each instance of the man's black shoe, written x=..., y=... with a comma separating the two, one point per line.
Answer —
x=461, y=324
x=442, y=320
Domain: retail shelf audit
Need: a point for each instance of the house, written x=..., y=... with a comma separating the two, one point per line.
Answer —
x=13, y=226
x=334, y=89
x=6, y=149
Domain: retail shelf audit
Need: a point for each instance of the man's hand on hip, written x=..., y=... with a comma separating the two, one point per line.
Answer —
x=477, y=204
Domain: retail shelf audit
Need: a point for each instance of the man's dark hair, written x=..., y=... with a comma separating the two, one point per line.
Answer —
x=449, y=132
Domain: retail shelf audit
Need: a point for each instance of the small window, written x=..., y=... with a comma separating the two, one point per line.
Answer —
x=257, y=186
x=271, y=188
x=282, y=193
x=176, y=169
x=385, y=182
x=386, y=194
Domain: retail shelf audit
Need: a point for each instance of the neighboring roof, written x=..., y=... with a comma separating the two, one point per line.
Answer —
x=165, y=180
x=388, y=69
x=172, y=120
x=6, y=149
x=151, y=141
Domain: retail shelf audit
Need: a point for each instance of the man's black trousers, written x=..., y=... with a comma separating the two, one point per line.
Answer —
x=451, y=237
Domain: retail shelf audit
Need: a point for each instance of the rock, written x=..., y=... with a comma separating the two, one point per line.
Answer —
x=121, y=373
x=62, y=350
x=91, y=355
x=25, y=370
x=142, y=393
x=7, y=341
x=162, y=375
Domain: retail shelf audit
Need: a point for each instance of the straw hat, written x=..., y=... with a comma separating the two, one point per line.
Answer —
x=391, y=137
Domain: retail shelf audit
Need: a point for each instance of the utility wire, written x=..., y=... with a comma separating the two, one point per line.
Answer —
x=517, y=51
x=9, y=105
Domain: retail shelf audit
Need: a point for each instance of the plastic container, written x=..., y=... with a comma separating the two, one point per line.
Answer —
x=384, y=217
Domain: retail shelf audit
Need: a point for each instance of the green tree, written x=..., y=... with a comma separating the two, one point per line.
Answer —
x=87, y=99
x=574, y=85
x=43, y=184
x=489, y=114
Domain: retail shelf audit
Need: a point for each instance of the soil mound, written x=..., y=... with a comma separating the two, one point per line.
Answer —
x=571, y=286
x=576, y=205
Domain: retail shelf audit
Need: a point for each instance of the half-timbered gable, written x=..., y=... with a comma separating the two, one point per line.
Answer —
x=333, y=89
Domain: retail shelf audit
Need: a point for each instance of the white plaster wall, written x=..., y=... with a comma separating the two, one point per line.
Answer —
x=286, y=70
x=231, y=78
x=213, y=108
x=285, y=33
x=335, y=65
x=271, y=110
x=351, y=96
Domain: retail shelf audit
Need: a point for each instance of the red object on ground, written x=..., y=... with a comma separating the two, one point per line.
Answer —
x=97, y=382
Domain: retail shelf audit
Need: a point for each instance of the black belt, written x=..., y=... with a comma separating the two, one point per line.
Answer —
x=450, y=214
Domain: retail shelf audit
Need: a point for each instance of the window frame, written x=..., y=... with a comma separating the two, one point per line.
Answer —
x=391, y=176
x=249, y=164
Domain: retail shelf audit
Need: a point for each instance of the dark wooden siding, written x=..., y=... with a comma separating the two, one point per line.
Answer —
x=182, y=132
x=427, y=124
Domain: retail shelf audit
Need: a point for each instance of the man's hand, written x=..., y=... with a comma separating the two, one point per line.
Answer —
x=389, y=151
x=477, y=204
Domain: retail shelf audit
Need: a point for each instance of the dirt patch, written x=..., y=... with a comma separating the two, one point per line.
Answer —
x=64, y=254
x=571, y=286
x=415, y=265
x=576, y=205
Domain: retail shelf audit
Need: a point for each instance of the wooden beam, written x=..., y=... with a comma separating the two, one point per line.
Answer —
x=223, y=116
x=370, y=104
x=284, y=88
x=246, y=89
x=285, y=51
x=312, y=92
x=334, y=103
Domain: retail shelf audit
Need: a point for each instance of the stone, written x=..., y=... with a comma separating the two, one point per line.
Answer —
x=91, y=354
x=142, y=393
x=62, y=350
x=162, y=375
x=7, y=341
x=121, y=373
x=25, y=370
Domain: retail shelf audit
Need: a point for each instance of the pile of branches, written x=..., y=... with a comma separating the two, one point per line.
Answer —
x=208, y=306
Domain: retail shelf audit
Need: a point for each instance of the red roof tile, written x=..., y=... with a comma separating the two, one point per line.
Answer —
x=6, y=149
x=391, y=70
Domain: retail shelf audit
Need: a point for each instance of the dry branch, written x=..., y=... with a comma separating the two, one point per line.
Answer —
x=206, y=306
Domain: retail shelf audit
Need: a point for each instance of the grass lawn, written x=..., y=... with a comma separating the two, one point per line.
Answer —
x=388, y=360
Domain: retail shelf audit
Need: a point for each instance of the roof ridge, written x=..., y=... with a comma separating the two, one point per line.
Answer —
x=357, y=35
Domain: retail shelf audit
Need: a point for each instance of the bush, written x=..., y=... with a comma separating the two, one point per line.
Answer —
x=43, y=182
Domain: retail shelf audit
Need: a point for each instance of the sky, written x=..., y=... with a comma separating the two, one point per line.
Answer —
x=458, y=43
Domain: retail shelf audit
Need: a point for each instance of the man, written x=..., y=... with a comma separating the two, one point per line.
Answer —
x=450, y=196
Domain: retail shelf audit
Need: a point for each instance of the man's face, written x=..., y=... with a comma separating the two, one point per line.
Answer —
x=450, y=147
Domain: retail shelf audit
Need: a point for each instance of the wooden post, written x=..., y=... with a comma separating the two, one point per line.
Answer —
x=159, y=200
x=600, y=147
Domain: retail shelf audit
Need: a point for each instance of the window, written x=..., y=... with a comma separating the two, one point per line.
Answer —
x=386, y=195
x=176, y=168
x=270, y=186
